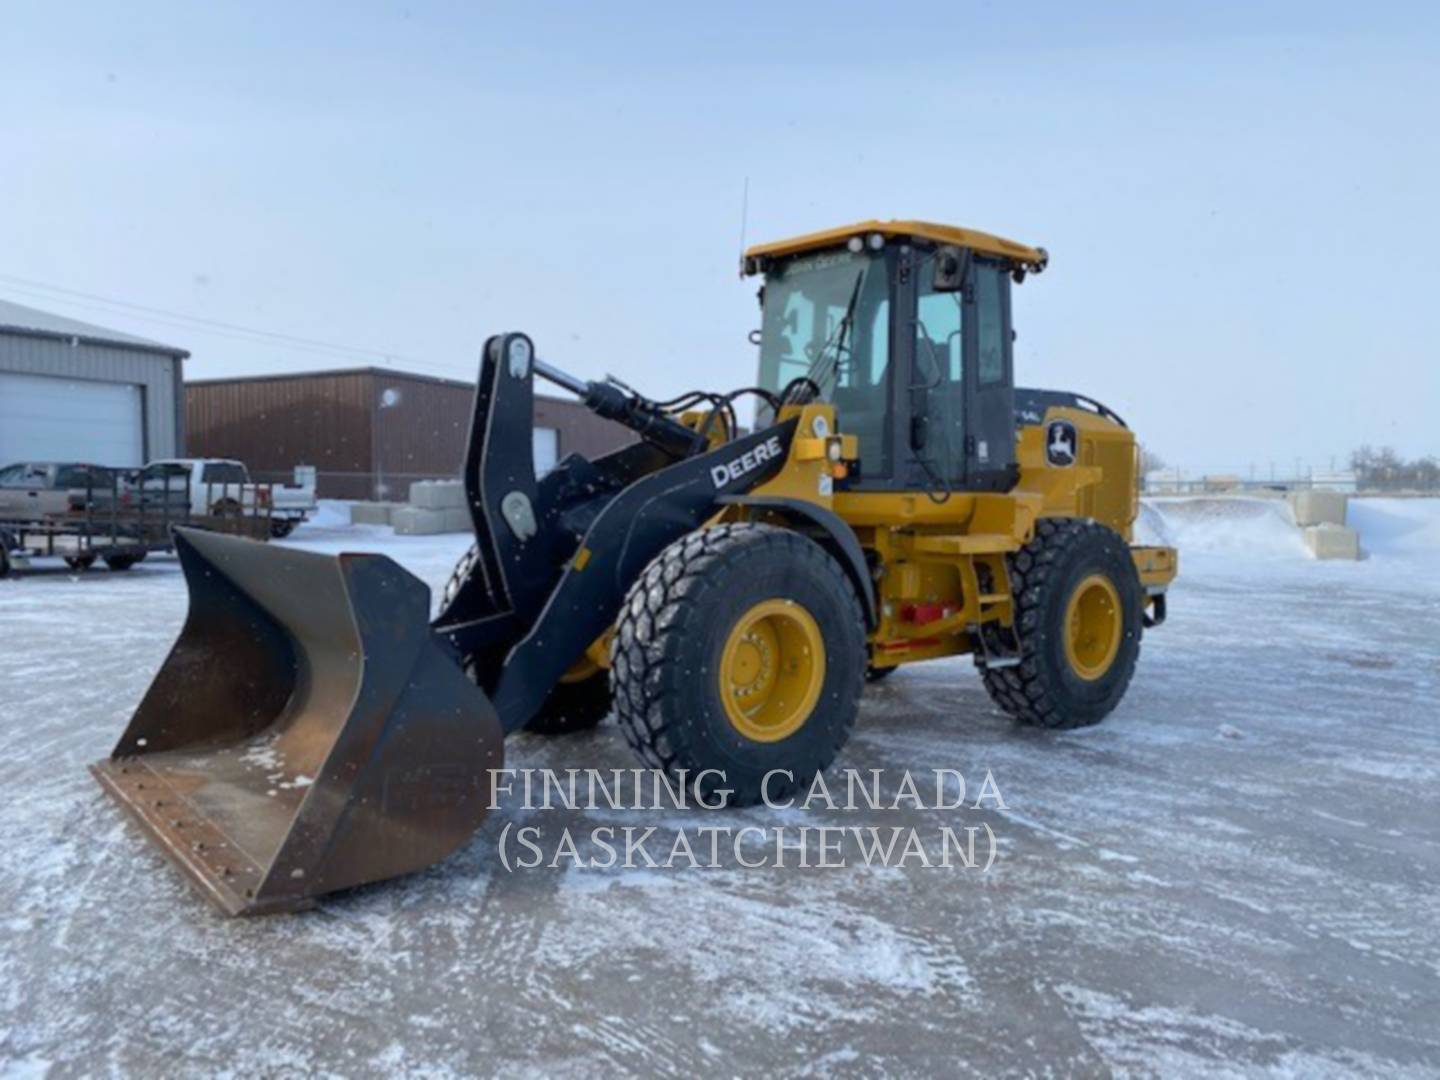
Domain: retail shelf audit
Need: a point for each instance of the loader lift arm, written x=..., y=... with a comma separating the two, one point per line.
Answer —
x=556, y=555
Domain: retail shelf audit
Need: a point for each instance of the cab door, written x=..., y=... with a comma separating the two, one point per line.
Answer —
x=962, y=426
x=31, y=492
x=15, y=492
x=990, y=381
x=939, y=422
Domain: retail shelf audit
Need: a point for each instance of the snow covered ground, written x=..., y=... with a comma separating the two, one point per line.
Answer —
x=1236, y=873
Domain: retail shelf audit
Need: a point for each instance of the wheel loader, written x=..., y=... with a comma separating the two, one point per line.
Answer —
x=725, y=593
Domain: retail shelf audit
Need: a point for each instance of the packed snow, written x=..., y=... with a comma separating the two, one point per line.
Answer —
x=1235, y=873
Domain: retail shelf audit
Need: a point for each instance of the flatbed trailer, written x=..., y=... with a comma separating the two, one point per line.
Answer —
x=120, y=531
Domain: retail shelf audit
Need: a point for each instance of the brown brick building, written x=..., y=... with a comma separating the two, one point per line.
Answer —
x=369, y=431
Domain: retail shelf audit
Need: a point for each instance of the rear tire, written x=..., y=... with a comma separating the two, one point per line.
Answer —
x=122, y=562
x=79, y=563
x=741, y=648
x=1078, y=609
x=280, y=528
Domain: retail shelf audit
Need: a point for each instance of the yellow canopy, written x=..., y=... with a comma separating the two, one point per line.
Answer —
x=1031, y=258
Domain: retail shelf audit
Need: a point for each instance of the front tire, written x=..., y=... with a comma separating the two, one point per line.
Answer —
x=740, y=649
x=576, y=704
x=1078, y=615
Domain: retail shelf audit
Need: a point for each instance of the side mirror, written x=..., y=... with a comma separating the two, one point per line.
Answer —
x=951, y=264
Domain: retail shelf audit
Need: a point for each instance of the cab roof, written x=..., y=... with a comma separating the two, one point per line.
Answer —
x=1023, y=256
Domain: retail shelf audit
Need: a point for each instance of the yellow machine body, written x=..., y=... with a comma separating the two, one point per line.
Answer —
x=942, y=566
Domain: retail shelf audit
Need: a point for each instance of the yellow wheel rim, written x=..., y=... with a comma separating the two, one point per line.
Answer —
x=581, y=670
x=592, y=661
x=1093, y=627
x=771, y=670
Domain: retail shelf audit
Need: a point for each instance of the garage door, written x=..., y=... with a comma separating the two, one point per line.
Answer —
x=546, y=443
x=47, y=418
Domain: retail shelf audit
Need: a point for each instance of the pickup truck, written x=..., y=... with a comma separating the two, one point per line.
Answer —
x=35, y=490
x=75, y=511
x=217, y=486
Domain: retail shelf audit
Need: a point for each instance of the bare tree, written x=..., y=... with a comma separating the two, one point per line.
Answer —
x=1385, y=470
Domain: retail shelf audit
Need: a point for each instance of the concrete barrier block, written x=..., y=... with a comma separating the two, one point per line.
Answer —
x=457, y=519
x=437, y=494
x=1318, y=507
x=424, y=495
x=371, y=513
x=417, y=521
x=1331, y=541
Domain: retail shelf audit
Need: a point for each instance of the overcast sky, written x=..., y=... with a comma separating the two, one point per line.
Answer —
x=1240, y=202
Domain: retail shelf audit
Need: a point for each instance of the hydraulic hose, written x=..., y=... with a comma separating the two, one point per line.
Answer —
x=643, y=417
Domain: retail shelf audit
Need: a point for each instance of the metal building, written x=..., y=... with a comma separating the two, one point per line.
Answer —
x=70, y=391
x=370, y=432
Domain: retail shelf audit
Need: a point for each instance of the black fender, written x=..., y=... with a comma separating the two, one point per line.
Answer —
x=839, y=540
x=1031, y=404
x=631, y=530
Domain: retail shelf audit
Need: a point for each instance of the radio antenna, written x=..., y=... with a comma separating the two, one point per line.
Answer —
x=744, y=217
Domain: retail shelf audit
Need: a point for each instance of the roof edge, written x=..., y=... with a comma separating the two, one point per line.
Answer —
x=988, y=243
x=290, y=376
x=155, y=348
x=330, y=373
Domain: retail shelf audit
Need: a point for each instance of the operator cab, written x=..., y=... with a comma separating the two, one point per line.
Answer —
x=905, y=328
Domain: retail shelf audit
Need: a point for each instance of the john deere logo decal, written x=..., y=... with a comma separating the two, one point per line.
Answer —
x=748, y=462
x=1061, y=443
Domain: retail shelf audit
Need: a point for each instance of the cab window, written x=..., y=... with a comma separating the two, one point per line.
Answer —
x=224, y=472
x=81, y=477
x=167, y=475
x=990, y=324
x=938, y=380
x=804, y=334
x=29, y=476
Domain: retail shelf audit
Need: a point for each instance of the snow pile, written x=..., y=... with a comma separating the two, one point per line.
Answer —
x=1397, y=527
x=1222, y=525
x=330, y=514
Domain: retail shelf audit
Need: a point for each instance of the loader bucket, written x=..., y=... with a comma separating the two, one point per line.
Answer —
x=306, y=733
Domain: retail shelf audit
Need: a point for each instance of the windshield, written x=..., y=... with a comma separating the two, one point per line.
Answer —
x=827, y=318
x=802, y=332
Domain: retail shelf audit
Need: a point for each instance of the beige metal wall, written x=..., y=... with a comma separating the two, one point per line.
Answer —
x=158, y=375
